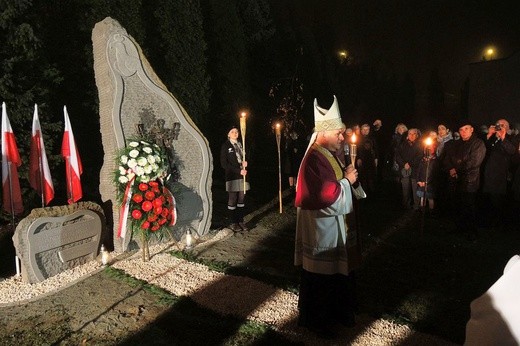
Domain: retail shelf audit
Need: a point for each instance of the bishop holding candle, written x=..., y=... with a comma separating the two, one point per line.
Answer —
x=325, y=245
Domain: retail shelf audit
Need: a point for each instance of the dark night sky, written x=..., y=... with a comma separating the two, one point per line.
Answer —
x=413, y=36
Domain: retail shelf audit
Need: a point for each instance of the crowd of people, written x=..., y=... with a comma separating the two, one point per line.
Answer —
x=471, y=174
x=459, y=174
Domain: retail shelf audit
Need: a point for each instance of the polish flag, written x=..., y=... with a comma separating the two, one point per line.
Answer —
x=12, y=198
x=39, y=173
x=72, y=162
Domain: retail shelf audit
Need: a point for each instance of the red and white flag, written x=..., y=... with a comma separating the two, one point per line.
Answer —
x=12, y=198
x=39, y=173
x=73, y=166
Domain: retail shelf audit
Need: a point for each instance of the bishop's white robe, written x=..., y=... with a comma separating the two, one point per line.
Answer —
x=323, y=198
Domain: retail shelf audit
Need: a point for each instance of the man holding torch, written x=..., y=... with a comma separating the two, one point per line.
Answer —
x=324, y=195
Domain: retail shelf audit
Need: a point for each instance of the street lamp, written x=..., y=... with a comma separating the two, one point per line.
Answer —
x=343, y=56
x=489, y=53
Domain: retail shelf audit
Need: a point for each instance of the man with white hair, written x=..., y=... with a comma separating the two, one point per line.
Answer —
x=324, y=246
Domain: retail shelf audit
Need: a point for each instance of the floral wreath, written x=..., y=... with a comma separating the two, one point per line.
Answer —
x=144, y=200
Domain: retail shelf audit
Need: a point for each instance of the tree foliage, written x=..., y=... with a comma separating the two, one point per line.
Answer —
x=27, y=78
x=256, y=21
x=228, y=60
x=177, y=36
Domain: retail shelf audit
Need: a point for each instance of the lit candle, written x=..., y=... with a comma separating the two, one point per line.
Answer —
x=428, y=143
x=243, y=116
x=353, y=149
x=189, y=239
x=104, y=255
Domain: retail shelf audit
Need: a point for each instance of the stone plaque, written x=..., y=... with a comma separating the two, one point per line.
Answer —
x=50, y=245
x=133, y=103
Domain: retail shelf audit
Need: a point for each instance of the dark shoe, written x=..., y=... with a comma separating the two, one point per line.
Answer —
x=243, y=226
x=235, y=227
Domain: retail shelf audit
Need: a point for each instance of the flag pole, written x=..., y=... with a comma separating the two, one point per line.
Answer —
x=16, y=260
x=11, y=194
x=40, y=166
x=69, y=171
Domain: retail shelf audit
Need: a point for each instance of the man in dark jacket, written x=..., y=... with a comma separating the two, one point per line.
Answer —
x=408, y=156
x=463, y=164
x=500, y=150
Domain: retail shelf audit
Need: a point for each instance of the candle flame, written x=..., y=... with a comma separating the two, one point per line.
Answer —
x=353, y=138
x=428, y=141
x=277, y=125
x=243, y=114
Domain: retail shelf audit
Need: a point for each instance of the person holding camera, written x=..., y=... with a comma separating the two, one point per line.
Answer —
x=500, y=150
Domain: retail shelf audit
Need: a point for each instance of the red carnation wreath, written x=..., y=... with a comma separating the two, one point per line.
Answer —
x=152, y=207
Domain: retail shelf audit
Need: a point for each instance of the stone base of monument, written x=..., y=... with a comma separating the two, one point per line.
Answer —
x=53, y=239
x=174, y=235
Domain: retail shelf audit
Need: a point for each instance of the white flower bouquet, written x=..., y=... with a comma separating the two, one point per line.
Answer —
x=141, y=161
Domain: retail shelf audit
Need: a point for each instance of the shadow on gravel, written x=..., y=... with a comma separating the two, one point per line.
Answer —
x=187, y=323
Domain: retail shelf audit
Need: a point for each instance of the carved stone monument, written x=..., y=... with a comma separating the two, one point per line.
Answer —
x=52, y=240
x=133, y=103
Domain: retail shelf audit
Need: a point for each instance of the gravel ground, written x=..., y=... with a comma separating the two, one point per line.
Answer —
x=86, y=306
x=93, y=308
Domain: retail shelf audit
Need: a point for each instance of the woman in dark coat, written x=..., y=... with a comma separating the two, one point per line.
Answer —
x=232, y=162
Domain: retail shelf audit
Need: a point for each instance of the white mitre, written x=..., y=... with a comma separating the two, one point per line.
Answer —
x=324, y=120
x=327, y=119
